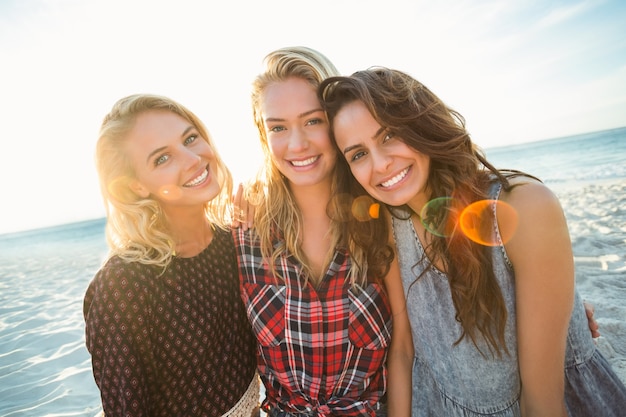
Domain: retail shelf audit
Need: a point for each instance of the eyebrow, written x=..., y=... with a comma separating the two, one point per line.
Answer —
x=377, y=134
x=301, y=115
x=158, y=150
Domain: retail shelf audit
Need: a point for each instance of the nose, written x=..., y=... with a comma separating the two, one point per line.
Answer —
x=381, y=161
x=190, y=159
x=298, y=140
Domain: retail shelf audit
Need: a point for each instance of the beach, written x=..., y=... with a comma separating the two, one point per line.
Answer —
x=45, y=369
x=599, y=234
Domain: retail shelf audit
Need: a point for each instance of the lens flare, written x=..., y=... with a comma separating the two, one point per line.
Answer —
x=476, y=221
x=433, y=216
x=170, y=192
x=119, y=189
x=364, y=208
x=374, y=210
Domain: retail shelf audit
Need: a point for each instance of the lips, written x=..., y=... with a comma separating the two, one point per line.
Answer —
x=198, y=180
x=396, y=179
x=305, y=162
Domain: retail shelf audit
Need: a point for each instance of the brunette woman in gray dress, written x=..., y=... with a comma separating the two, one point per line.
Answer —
x=486, y=260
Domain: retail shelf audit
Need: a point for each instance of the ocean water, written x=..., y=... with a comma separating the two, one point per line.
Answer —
x=45, y=369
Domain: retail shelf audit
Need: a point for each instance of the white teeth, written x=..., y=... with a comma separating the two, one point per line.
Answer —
x=198, y=179
x=395, y=179
x=305, y=162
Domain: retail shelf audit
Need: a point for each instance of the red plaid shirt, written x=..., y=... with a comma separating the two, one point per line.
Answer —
x=322, y=350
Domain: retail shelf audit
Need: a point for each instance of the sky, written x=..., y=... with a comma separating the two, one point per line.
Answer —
x=517, y=70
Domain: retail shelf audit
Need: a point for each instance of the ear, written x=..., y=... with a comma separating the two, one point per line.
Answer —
x=139, y=189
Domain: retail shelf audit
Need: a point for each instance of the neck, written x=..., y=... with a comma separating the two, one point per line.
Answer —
x=190, y=230
x=312, y=200
x=316, y=240
x=418, y=202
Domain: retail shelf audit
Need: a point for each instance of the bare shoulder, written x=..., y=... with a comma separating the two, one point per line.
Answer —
x=528, y=194
x=538, y=228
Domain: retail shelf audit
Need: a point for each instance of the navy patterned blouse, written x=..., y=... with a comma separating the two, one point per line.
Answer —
x=171, y=344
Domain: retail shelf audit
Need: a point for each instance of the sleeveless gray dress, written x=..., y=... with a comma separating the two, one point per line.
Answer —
x=456, y=380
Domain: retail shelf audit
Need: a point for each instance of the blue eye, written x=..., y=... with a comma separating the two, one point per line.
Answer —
x=190, y=139
x=388, y=136
x=276, y=129
x=161, y=160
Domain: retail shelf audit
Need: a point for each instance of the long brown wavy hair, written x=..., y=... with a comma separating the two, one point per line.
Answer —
x=458, y=169
x=277, y=217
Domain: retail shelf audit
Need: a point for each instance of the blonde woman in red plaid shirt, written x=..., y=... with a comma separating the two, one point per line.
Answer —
x=322, y=309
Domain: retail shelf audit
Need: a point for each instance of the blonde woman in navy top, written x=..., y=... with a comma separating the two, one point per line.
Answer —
x=165, y=325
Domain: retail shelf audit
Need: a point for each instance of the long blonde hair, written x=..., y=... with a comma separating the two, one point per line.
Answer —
x=137, y=228
x=277, y=214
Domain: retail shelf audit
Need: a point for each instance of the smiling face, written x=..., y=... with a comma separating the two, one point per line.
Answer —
x=387, y=168
x=297, y=132
x=173, y=164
